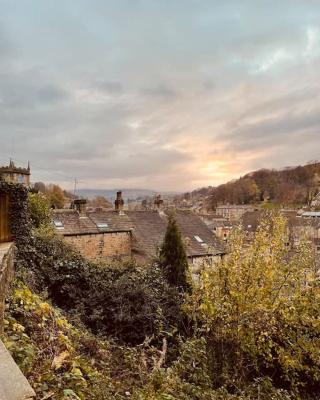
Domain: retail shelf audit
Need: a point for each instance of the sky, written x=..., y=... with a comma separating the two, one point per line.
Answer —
x=169, y=95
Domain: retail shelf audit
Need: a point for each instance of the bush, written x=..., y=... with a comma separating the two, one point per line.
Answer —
x=122, y=300
x=54, y=355
x=260, y=312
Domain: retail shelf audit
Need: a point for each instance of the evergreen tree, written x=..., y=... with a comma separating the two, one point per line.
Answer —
x=173, y=258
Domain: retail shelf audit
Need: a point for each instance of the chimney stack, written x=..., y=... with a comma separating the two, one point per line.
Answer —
x=81, y=206
x=158, y=202
x=119, y=203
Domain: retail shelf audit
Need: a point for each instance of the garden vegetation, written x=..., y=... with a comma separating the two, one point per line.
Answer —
x=249, y=329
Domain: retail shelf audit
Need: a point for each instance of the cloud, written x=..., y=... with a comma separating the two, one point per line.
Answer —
x=160, y=91
x=158, y=94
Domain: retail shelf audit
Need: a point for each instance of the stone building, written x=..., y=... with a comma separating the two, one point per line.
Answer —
x=299, y=228
x=233, y=212
x=302, y=227
x=97, y=235
x=14, y=174
x=103, y=235
x=219, y=225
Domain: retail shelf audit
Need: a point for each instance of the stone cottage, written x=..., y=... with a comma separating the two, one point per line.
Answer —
x=97, y=235
x=139, y=234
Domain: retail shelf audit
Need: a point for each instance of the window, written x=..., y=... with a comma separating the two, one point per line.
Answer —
x=102, y=225
x=198, y=239
x=58, y=224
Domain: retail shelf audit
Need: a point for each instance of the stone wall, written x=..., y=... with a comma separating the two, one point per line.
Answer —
x=6, y=275
x=102, y=246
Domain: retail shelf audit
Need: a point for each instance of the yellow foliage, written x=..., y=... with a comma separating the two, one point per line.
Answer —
x=59, y=360
x=263, y=300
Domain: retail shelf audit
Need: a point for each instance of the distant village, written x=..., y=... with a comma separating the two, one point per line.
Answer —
x=136, y=228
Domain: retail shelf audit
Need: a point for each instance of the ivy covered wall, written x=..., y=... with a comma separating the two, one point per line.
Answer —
x=18, y=210
x=20, y=229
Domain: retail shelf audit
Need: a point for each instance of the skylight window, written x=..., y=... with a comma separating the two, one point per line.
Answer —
x=102, y=225
x=198, y=239
x=58, y=225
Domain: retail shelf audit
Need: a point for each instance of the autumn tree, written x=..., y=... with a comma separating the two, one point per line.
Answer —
x=100, y=201
x=260, y=308
x=173, y=258
x=55, y=196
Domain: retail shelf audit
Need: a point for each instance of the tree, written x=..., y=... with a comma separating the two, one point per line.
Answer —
x=39, y=210
x=100, y=202
x=55, y=196
x=173, y=258
x=260, y=308
x=39, y=187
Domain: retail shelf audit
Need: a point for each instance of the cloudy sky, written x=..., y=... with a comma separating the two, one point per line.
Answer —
x=159, y=94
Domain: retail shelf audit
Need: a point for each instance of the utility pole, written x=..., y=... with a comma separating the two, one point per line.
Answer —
x=75, y=186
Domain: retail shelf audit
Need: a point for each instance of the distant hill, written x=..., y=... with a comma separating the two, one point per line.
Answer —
x=132, y=194
x=111, y=194
x=290, y=186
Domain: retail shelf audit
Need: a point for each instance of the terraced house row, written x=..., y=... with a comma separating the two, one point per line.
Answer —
x=103, y=235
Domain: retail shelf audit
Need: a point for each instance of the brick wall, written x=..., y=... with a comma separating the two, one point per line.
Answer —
x=102, y=246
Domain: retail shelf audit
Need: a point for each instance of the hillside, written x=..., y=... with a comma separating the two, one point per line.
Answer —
x=289, y=186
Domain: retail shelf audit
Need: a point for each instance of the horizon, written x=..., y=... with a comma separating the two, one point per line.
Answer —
x=70, y=187
x=160, y=95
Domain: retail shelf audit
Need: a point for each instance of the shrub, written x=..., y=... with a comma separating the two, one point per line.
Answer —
x=122, y=300
x=53, y=354
x=260, y=312
x=39, y=210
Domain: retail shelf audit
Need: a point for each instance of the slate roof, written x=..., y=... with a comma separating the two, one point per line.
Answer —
x=192, y=226
x=76, y=224
x=114, y=220
x=299, y=221
x=217, y=221
x=148, y=229
x=73, y=223
x=251, y=219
